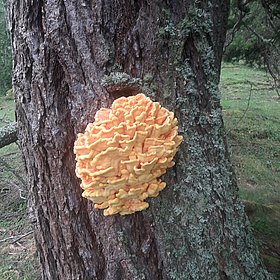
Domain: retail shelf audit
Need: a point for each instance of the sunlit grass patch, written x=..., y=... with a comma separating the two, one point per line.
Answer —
x=251, y=111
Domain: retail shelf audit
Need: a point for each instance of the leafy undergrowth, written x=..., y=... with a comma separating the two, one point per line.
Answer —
x=251, y=110
x=17, y=248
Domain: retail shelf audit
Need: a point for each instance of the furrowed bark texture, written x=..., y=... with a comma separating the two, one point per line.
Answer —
x=63, y=52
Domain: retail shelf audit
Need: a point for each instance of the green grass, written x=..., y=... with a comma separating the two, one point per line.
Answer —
x=7, y=110
x=251, y=111
x=253, y=131
x=17, y=261
x=7, y=115
x=10, y=154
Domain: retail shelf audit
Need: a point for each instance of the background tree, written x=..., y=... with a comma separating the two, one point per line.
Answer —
x=63, y=53
x=254, y=35
x=5, y=53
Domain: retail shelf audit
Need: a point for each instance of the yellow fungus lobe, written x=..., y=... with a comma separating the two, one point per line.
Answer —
x=121, y=155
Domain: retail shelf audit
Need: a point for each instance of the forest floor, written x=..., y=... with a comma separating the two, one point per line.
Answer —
x=251, y=109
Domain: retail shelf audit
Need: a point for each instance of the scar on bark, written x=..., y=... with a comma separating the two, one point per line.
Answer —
x=121, y=84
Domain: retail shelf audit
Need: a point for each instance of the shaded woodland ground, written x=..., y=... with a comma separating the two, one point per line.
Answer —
x=251, y=112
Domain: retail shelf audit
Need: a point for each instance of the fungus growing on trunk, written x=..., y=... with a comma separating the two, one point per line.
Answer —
x=121, y=155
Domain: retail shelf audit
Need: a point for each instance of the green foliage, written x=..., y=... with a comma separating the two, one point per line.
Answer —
x=247, y=49
x=273, y=264
x=5, y=53
x=254, y=34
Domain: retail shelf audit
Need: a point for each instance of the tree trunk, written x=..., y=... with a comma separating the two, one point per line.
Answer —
x=69, y=60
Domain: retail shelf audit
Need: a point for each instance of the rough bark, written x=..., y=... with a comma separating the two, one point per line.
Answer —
x=8, y=134
x=64, y=54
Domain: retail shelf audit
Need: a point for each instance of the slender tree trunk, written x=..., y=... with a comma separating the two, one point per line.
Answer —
x=69, y=60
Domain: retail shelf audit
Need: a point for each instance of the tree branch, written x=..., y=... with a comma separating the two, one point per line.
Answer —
x=234, y=29
x=8, y=134
x=16, y=237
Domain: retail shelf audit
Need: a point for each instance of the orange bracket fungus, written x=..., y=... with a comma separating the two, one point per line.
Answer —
x=121, y=155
